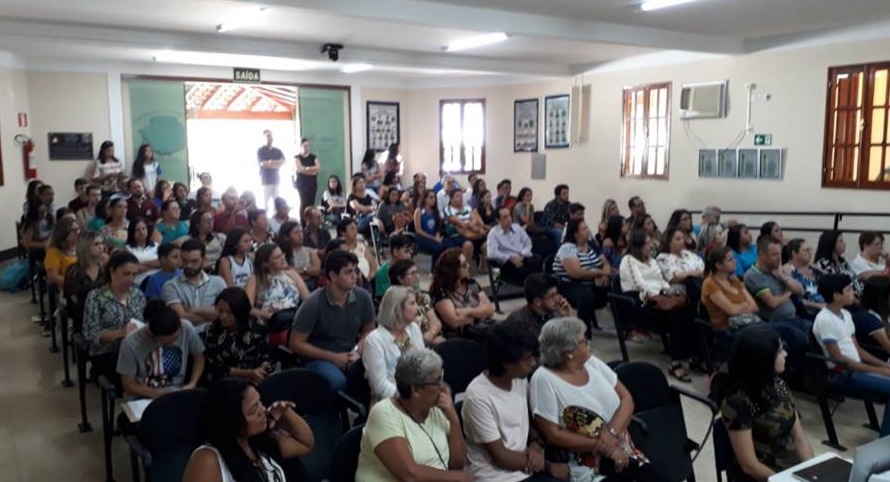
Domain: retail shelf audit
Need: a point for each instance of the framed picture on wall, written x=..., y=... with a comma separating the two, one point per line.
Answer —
x=749, y=163
x=707, y=163
x=382, y=121
x=727, y=163
x=557, y=121
x=525, y=125
x=771, y=164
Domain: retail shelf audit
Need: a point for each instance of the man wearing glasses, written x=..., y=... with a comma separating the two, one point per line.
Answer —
x=543, y=303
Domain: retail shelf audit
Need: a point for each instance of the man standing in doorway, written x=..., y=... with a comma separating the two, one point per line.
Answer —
x=270, y=160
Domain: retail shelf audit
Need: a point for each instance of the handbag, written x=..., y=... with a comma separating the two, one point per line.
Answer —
x=669, y=302
x=740, y=321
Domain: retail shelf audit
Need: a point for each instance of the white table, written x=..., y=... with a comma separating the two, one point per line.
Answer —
x=787, y=475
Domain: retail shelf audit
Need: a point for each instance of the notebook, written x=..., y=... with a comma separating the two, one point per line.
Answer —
x=834, y=469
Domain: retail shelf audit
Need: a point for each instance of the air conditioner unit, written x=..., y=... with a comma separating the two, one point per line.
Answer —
x=705, y=100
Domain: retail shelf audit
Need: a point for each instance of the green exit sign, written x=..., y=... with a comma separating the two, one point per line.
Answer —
x=246, y=76
x=763, y=139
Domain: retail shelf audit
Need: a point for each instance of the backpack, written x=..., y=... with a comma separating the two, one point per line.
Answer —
x=15, y=277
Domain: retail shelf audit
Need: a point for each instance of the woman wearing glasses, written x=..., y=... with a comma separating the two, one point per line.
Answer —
x=414, y=435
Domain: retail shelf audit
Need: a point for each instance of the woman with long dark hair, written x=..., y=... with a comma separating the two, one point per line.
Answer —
x=584, y=274
x=764, y=430
x=371, y=170
x=743, y=248
x=116, y=224
x=485, y=207
x=274, y=290
x=393, y=162
x=235, y=345
x=186, y=205
x=244, y=437
x=681, y=219
x=163, y=192
x=106, y=170
x=300, y=257
x=614, y=240
x=333, y=201
x=361, y=206
x=62, y=252
x=730, y=306
x=139, y=242
x=772, y=228
x=145, y=168
x=235, y=265
x=201, y=228
x=37, y=229
x=460, y=302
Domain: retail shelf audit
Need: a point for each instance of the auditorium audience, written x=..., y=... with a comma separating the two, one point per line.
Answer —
x=139, y=206
x=485, y=208
x=347, y=232
x=404, y=273
x=146, y=251
x=193, y=293
x=115, y=228
x=772, y=228
x=582, y=269
x=429, y=228
x=400, y=247
x=37, y=227
x=231, y=215
x=315, y=236
x=81, y=197
x=871, y=260
x=235, y=344
x=300, y=257
x=543, y=303
x=614, y=240
x=331, y=325
x=729, y=305
x=87, y=215
x=62, y=252
x=610, y=208
x=392, y=213
x=259, y=229
x=416, y=434
x=281, y=216
x=274, y=290
x=201, y=229
x=396, y=333
x=88, y=271
x=361, y=206
x=637, y=209
x=800, y=267
x=681, y=220
x=106, y=170
x=463, y=226
x=524, y=211
x=743, y=248
x=462, y=306
x=510, y=245
x=504, y=199
x=110, y=309
x=170, y=261
x=235, y=265
x=830, y=258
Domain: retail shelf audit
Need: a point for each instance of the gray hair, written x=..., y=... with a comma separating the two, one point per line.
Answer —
x=390, y=314
x=712, y=211
x=414, y=369
x=559, y=338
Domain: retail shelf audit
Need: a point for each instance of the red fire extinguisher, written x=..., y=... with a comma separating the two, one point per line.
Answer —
x=28, y=157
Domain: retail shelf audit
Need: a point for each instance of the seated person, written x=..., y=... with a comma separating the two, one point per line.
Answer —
x=543, y=303
x=274, y=290
x=461, y=304
x=331, y=324
x=871, y=316
x=139, y=234
x=281, y=216
x=82, y=197
x=169, y=258
x=800, y=267
x=501, y=445
x=511, y=246
x=109, y=309
x=679, y=265
x=660, y=303
x=192, y=295
x=231, y=215
x=835, y=332
x=871, y=260
x=153, y=359
x=315, y=236
x=259, y=229
x=139, y=206
x=62, y=252
x=333, y=201
x=392, y=213
x=241, y=434
x=201, y=229
x=300, y=257
x=745, y=250
x=504, y=199
x=571, y=393
x=404, y=273
x=773, y=290
x=235, y=265
x=772, y=228
x=416, y=434
x=235, y=344
x=582, y=270
x=400, y=247
x=395, y=333
x=347, y=231
x=463, y=225
x=729, y=305
x=757, y=407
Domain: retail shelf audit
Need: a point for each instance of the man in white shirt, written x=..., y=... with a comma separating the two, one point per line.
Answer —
x=509, y=245
x=871, y=260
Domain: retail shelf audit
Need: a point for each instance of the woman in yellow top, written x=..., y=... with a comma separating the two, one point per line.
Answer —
x=414, y=435
x=62, y=252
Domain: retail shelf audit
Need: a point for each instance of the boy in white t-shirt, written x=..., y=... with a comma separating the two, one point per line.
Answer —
x=835, y=332
x=502, y=446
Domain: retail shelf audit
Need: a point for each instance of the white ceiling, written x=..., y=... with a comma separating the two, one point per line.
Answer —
x=405, y=37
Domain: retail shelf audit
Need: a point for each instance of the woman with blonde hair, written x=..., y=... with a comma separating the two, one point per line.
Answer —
x=395, y=333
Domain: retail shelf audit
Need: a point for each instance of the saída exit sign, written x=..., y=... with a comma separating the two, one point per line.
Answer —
x=763, y=139
x=246, y=76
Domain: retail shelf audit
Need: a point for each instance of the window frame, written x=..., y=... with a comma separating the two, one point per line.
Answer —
x=626, y=161
x=463, y=102
x=863, y=145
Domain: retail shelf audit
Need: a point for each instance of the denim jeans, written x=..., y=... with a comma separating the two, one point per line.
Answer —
x=332, y=374
x=869, y=382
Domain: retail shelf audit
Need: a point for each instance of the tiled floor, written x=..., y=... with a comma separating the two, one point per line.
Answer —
x=39, y=440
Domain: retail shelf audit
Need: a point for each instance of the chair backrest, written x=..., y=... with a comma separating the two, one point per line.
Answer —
x=346, y=455
x=357, y=385
x=664, y=439
x=548, y=265
x=462, y=361
x=317, y=403
x=170, y=431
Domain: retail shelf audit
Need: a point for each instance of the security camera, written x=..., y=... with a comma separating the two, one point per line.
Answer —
x=333, y=51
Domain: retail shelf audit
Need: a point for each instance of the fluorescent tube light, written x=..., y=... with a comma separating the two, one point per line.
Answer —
x=478, y=41
x=245, y=18
x=234, y=60
x=658, y=4
x=353, y=68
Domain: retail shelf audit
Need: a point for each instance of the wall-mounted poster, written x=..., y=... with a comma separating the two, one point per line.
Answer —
x=771, y=164
x=727, y=163
x=557, y=121
x=749, y=165
x=382, y=124
x=707, y=163
x=525, y=125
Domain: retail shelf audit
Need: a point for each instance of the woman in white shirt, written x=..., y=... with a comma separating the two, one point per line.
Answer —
x=140, y=244
x=677, y=263
x=871, y=260
x=241, y=433
x=395, y=333
x=106, y=170
x=145, y=168
x=662, y=306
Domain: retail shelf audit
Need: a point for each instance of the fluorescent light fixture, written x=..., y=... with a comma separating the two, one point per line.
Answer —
x=354, y=68
x=244, y=18
x=658, y=4
x=478, y=41
x=234, y=60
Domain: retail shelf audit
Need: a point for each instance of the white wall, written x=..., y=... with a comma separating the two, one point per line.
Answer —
x=13, y=99
x=68, y=102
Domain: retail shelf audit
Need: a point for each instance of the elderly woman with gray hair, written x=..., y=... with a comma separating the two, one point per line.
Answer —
x=580, y=407
x=414, y=435
x=395, y=333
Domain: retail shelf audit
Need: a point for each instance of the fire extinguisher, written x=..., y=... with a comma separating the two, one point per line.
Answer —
x=28, y=157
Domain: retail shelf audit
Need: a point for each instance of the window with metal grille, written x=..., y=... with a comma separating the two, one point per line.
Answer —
x=462, y=135
x=645, y=136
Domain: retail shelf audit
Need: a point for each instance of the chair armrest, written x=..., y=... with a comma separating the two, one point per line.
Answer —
x=843, y=364
x=354, y=404
x=139, y=449
x=622, y=298
x=644, y=427
x=698, y=398
x=107, y=387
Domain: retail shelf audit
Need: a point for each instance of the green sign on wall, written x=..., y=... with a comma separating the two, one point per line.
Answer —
x=323, y=122
x=157, y=117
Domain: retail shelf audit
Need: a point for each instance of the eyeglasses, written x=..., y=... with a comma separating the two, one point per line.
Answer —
x=440, y=382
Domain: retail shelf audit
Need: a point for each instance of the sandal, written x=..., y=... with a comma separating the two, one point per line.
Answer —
x=677, y=371
x=635, y=336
